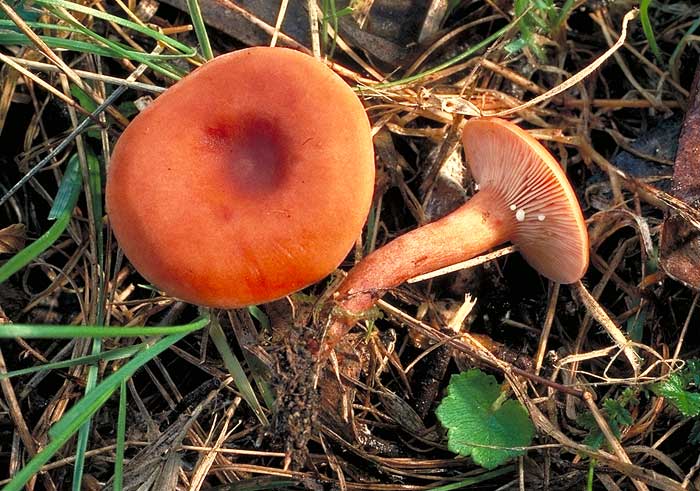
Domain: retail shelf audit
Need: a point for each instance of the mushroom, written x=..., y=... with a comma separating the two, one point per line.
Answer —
x=524, y=197
x=248, y=180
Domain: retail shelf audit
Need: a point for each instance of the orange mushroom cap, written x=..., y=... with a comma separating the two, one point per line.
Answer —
x=248, y=180
x=549, y=229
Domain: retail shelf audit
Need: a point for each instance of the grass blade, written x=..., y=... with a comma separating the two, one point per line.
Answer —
x=648, y=29
x=236, y=370
x=76, y=416
x=563, y=13
x=186, y=51
x=47, y=331
x=452, y=61
x=115, y=354
x=121, y=439
x=116, y=51
x=61, y=212
x=119, y=50
x=673, y=60
x=470, y=481
x=68, y=191
x=200, y=29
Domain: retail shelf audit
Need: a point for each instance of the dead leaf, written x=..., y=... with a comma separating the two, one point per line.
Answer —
x=12, y=238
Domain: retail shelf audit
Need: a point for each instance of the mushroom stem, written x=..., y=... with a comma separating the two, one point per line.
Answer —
x=476, y=226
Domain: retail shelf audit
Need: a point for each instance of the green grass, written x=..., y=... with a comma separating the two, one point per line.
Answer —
x=649, y=30
x=111, y=355
x=236, y=370
x=200, y=29
x=83, y=410
x=61, y=213
x=675, y=56
x=452, y=61
x=331, y=16
x=121, y=439
x=99, y=45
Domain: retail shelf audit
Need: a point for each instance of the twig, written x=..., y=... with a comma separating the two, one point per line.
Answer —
x=278, y=23
x=567, y=84
x=548, y=321
x=610, y=437
x=470, y=263
x=17, y=418
x=73, y=134
x=46, y=67
x=633, y=471
x=313, y=25
x=602, y=317
x=681, y=337
x=49, y=88
x=598, y=18
x=46, y=51
x=475, y=348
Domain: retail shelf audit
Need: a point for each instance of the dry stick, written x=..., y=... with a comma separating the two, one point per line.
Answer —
x=48, y=87
x=444, y=39
x=127, y=10
x=677, y=351
x=278, y=23
x=691, y=472
x=597, y=17
x=656, y=454
x=567, y=84
x=633, y=471
x=20, y=424
x=624, y=143
x=651, y=66
x=47, y=67
x=46, y=51
x=512, y=76
x=647, y=192
x=262, y=25
x=586, y=324
x=610, y=437
x=57, y=464
x=546, y=328
x=435, y=12
x=470, y=263
x=119, y=30
x=79, y=129
x=203, y=466
x=521, y=473
x=618, y=103
x=39, y=43
x=455, y=324
x=604, y=320
x=608, y=481
x=474, y=348
x=340, y=42
x=341, y=70
x=92, y=232
x=313, y=25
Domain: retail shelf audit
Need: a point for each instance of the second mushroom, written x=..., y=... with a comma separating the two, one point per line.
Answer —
x=524, y=197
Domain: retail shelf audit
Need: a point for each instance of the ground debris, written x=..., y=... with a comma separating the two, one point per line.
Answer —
x=680, y=241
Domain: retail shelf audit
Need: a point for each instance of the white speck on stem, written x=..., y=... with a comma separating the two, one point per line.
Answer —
x=476, y=186
x=540, y=218
x=513, y=207
x=520, y=215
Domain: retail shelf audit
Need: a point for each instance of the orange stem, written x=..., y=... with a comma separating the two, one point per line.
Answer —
x=477, y=226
